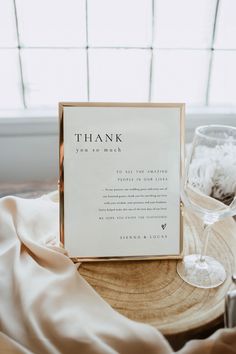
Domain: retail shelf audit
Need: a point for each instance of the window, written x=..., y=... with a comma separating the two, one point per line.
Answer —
x=117, y=50
x=107, y=50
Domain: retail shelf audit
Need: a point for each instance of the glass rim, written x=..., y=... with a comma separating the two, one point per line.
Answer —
x=201, y=134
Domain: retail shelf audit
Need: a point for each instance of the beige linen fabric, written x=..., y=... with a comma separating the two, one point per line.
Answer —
x=46, y=307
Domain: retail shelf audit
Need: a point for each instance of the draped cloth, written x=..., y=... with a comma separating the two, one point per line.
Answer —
x=46, y=307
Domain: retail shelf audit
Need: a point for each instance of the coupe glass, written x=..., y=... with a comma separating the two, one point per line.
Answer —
x=208, y=189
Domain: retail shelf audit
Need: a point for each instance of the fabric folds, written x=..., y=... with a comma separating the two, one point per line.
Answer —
x=46, y=307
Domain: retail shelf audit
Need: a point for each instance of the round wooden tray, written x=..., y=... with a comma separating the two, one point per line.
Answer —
x=152, y=292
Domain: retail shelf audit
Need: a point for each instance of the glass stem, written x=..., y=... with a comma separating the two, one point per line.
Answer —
x=206, y=233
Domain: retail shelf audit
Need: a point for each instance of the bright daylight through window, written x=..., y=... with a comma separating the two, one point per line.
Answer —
x=108, y=51
x=54, y=51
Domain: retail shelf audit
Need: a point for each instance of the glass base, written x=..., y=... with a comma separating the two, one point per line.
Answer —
x=202, y=274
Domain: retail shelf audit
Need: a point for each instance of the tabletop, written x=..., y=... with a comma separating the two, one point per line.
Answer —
x=152, y=292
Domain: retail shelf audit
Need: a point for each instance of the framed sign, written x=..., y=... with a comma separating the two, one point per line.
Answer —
x=120, y=170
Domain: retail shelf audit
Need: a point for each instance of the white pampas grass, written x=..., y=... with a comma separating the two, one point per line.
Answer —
x=213, y=171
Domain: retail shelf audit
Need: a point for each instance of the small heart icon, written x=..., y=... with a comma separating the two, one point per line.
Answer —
x=163, y=226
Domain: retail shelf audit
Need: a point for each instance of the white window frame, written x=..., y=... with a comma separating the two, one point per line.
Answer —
x=39, y=161
x=29, y=142
x=44, y=122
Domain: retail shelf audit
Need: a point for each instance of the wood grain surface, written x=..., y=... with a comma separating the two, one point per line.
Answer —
x=152, y=292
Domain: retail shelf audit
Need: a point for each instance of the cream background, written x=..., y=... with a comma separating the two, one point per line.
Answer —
x=151, y=140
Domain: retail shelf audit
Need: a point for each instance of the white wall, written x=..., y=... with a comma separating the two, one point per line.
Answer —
x=29, y=147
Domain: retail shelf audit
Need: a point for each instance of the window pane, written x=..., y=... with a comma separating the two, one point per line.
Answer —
x=8, y=36
x=180, y=76
x=120, y=23
x=52, y=23
x=10, y=83
x=53, y=75
x=119, y=74
x=226, y=25
x=223, y=78
x=184, y=23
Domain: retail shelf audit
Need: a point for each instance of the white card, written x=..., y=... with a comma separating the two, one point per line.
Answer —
x=120, y=180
